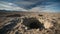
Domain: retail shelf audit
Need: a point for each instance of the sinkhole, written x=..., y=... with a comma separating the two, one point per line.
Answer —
x=33, y=23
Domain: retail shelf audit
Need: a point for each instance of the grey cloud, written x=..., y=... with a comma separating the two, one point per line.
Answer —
x=39, y=4
x=52, y=7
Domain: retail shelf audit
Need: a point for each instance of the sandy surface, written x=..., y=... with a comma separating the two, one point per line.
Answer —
x=29, y=23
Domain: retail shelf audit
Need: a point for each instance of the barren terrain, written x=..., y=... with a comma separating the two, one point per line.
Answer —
x=29, y=23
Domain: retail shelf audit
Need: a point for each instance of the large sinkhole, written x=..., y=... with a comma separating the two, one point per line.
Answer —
x=33, y=23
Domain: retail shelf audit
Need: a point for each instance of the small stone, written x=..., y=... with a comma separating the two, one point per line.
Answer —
x=26, y=28
x=37, y=30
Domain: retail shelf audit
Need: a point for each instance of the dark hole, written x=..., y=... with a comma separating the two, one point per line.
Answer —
x=18, y=32
x=34, y=25
x=40, y=15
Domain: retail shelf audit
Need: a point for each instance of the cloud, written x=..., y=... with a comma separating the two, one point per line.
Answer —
x=24, y=3
x=50, y=7
x=34, y=5
x=10, y=6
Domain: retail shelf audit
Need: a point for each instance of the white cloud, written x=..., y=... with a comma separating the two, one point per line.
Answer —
x=39, y=9
x=24, y=3
x=10, y=6
x=10, y=3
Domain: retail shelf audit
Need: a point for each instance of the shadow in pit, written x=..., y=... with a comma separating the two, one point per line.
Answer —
x=33, y=23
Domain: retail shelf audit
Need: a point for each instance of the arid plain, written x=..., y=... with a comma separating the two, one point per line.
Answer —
x=29, y=23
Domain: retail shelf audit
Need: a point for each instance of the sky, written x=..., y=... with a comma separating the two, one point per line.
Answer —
x=31, y=5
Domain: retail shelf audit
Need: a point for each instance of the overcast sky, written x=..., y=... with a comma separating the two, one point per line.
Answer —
x=38, y=5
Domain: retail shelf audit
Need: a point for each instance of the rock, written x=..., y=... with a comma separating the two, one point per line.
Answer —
x=26, y=28
x=48, y=25
x=37, y=29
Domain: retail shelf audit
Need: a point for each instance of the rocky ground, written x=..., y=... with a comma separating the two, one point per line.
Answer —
x=29, y=23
